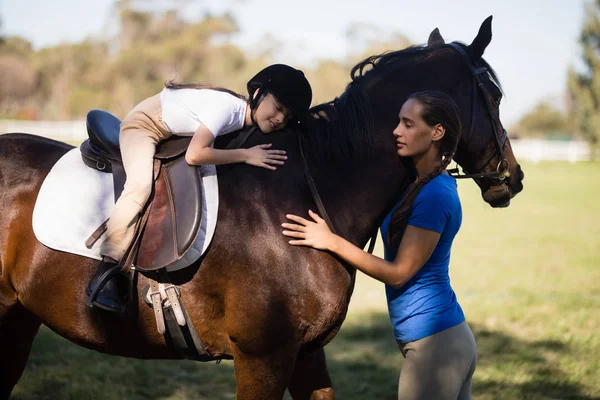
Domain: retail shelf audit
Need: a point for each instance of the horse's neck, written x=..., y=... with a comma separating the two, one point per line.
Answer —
x=358, y=200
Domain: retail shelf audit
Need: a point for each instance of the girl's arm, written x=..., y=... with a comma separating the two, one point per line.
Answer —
x=416, y=247
x=200, y=152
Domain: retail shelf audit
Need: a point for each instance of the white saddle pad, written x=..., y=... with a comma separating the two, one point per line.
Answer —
x=75, y=200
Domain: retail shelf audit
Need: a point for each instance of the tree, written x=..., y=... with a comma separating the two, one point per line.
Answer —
x=584, y=86
x=545, y=120
x=1, y=35
x=156, y=42
x=17, y=82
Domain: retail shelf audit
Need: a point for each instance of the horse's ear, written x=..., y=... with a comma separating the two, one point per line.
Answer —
x=483, y=38
x=435, y=38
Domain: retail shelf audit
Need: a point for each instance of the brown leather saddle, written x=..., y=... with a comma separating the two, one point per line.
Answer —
x=172, y=218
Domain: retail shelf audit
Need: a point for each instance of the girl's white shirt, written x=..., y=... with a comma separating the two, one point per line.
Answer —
x=184, y=110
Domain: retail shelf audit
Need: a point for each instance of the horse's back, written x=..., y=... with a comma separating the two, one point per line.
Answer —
x=25, y=160
x=23, y=150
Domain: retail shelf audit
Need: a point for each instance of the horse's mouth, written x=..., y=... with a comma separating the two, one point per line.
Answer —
x=498, y=196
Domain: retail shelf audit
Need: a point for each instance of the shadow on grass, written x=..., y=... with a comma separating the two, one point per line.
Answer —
x=508, y=367
x=363, y=360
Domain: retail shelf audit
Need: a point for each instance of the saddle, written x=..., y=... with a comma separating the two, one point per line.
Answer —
x=172, y=217
x=168, y=227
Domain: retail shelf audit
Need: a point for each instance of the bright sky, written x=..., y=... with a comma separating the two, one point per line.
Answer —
x=534, y=41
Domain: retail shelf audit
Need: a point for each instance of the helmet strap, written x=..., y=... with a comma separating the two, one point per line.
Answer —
x=255, y=101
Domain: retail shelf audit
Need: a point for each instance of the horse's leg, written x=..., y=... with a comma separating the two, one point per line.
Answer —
x=264, y=376
x=18, y=327
x=310, y=380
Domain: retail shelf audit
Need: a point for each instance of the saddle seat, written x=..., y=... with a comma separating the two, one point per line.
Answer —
x=175, y=205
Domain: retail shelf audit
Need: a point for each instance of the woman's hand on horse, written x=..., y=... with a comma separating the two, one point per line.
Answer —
x=308, y=233
x=260, y=156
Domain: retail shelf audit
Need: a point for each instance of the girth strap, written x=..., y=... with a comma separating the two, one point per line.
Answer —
x=172, y=318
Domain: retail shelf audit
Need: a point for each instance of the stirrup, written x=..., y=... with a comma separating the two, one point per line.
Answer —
x=100, y=282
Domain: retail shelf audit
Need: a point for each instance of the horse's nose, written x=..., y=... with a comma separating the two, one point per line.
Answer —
x=521, y=173
x=516, y=186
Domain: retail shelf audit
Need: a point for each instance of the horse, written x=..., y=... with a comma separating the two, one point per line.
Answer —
x=253, y=298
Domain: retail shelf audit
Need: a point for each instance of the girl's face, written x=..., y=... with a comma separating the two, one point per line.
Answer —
x=414, y=137
x=271, y=115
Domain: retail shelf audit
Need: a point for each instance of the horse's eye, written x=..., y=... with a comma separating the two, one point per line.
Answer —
x=497, y=100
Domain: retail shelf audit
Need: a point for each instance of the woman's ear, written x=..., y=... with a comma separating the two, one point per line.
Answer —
x=438, y=132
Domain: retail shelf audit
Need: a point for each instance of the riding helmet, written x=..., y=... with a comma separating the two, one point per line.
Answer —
x=287, y=84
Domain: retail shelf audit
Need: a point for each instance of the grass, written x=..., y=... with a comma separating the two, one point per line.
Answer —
x=526, y=276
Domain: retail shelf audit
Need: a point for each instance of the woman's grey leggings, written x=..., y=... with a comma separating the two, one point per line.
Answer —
x=439, y=366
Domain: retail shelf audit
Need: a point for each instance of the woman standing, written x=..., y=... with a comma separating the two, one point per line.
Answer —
x=428, y=323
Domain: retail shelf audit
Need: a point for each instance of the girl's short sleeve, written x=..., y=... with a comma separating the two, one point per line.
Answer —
x=431, y=210
x=217, y=119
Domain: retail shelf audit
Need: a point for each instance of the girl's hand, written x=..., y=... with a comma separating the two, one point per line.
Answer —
x=321, y=115
x=308, y=233
x=259, y=156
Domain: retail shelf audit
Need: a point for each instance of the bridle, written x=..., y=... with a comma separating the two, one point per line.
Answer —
x=501, y=172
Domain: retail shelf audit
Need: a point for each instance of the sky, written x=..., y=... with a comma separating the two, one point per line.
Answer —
x=534, y=41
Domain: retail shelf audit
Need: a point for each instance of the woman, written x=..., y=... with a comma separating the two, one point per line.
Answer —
x=429, y=325
x=277, y=94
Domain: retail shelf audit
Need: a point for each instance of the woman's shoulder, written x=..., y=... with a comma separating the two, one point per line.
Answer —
x=441, y=184
x=440, y=192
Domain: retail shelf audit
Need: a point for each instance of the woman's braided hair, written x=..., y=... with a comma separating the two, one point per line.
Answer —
x=437, y=108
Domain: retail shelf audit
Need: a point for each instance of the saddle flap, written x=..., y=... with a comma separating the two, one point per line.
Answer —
x=175, y=216
x=75, y=200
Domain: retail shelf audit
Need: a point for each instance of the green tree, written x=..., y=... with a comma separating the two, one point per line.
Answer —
x=545, y=120
x=584, y=86
x=1, y=34
x=155, y=44
x=17, y=78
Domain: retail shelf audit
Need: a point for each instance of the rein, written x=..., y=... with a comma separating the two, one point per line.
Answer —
x=239, y=142
x=501, y=172
x=317, y=198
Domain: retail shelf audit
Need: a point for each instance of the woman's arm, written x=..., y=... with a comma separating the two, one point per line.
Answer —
x=200, y=152
x=416, y=247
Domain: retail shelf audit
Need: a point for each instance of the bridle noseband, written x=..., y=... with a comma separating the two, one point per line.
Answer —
x=501, y=172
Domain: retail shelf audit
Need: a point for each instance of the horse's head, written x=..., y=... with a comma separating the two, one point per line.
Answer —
x=484, y=153
x=364, y=116
x=382, y=83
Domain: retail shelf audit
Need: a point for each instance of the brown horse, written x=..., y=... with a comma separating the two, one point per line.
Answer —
x=269, y=306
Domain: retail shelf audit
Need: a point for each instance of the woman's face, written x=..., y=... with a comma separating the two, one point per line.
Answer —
x=271, y=115
x=413, y=136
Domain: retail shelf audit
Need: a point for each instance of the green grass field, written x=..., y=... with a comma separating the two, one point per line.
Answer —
x=528, y=278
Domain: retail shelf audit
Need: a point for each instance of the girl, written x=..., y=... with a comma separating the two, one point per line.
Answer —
x=277, y=94
x=429, y=325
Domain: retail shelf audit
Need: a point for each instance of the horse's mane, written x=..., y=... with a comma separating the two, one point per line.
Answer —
x=350, y=132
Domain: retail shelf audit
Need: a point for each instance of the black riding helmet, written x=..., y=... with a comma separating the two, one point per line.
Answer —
x=287, y=84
